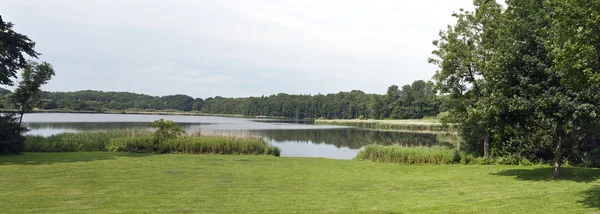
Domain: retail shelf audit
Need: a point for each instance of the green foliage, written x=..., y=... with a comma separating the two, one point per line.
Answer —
x=527, y=78
x=411, y=101
x=592, y=158
x=132, y=144
x=13, y=47
x=408, y=155
x=464, y=56
x=165, y=131
x=79, y=142
x=27, y=94
x=274, y=151
x=218, y=145
x=11, y=139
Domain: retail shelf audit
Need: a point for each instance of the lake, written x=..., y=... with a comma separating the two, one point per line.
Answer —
x=295, y=138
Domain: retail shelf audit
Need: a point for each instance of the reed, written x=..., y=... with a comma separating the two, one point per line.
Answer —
x=218, y=145
x=403, y=125
x=132, y=144
x=133, y=140
x=409, y=155
x=79, y=142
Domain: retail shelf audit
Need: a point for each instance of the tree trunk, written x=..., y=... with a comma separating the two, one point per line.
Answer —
x=21, y=118
x=486, y=144
x=20, y=121
x=558, y=156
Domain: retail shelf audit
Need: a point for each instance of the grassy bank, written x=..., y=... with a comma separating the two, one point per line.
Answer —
x=104, y=182
x=426, y=125
x=133, y=140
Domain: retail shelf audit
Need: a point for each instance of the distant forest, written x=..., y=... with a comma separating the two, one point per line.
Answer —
x=416, y=100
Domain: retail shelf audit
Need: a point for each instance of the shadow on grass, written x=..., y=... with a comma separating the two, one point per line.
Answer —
x=64, y=157
x=584, y=175
x=591, y=197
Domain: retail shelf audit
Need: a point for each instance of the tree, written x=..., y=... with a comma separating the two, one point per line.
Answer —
x=12, y=47
x=11, y=139
x=165, y=130
x=27, y=94
x=574, y=47
x=464, y=53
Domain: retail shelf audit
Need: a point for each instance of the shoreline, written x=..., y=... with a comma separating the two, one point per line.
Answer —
x=175, y=113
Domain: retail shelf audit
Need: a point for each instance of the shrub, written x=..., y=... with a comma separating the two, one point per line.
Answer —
x=274, y=151
x=466, y=159
x=12, y=140
x=132, y=144
x=409, y=155
x=165, y=130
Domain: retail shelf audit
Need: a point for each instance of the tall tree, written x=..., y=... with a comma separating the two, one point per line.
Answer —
x=13, y=46
x=464, y=53
x=27, y=94
x=574, y=47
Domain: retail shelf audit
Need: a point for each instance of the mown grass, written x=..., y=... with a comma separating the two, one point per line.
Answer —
x=106, y=182
x=409, y=155
x=402, y=125
x=142, y=141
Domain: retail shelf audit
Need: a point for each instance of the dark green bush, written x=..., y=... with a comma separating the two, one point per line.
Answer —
x=592, y=158
x=274, y=151
x=12, y=140
x=409, y=155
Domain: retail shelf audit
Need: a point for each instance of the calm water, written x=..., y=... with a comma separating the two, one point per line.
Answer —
x=295, y=138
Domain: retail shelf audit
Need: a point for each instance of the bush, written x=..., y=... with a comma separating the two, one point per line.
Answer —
x=409, y=155
x=12, y=140
x=274, y=151
x=132, y=144
x=166, y=130
x=592, y=158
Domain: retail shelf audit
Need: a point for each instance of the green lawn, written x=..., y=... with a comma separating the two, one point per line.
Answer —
x=102, y=182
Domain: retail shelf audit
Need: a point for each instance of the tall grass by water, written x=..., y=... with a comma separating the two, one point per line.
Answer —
x=219, y=145
x=409, y=155
x=196, y=145
x=134, y=140
x=79, y=142
x=403, y=125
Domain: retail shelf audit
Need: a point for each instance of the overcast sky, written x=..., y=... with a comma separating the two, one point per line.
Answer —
x=233, y=48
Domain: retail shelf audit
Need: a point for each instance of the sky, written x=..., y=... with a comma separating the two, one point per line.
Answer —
x=233, y=48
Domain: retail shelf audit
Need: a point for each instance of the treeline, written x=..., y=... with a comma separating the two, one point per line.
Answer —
x=102, y=101
x=408, y=102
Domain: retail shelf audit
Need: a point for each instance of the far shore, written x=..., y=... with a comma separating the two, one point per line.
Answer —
x=181, y=113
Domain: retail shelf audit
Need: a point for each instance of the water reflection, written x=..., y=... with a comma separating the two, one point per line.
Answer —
x=297, y=138
x=358, y=138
